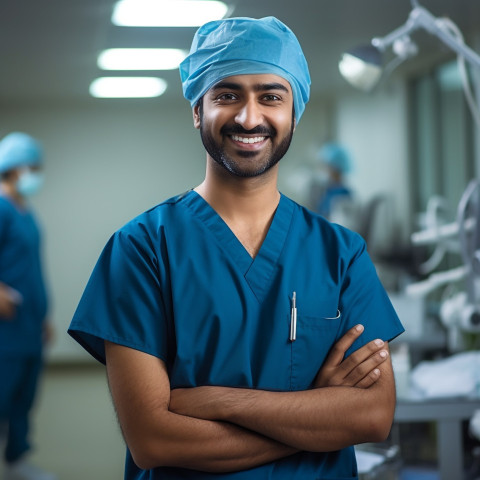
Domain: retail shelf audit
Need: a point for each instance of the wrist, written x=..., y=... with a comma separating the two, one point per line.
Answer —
x=235, y=402
x=221, y=402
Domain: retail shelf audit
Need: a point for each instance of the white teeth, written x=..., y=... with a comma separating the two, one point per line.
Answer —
x=248, y=140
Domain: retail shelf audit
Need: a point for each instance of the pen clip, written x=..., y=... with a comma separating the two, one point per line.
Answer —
x=293, y=318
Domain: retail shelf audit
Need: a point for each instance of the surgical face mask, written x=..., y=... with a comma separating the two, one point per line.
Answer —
x=29, y=183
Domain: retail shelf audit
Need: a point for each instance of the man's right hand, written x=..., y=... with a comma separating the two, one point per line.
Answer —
x=357, y=370
x=8, y=305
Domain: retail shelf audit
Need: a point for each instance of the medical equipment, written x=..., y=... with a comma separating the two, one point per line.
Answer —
x=474, y=426
x=459, y=312
x=444, y=235
x=436, y=227
x=474, y=430
x=462, y=310
x=363, y=66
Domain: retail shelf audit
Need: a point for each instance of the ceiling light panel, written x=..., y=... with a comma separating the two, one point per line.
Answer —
x=167, y=13
x=127, y=87
x=141, y=58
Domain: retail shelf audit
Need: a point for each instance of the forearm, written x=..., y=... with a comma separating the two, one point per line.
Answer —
x=211, y=446
x=158, y=437
x=323, y=419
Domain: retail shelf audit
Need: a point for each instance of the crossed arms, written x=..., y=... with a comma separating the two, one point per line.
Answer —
x=222, y=429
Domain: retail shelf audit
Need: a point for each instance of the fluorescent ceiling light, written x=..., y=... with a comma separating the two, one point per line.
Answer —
x=167, y=13
x=141, y=58
x=127, y=87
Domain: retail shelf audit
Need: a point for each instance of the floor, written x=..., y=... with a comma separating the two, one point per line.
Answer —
x=76, y=434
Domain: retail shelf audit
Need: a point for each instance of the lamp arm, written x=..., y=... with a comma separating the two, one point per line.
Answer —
x=421, y=18
x=382, y=43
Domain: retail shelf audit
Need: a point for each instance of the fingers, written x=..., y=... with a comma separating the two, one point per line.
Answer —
x=337, y=352
x=367, y=372
x=370, y=379
x=362, y=354
x=360, y=369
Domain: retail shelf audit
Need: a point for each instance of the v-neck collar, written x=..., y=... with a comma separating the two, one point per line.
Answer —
x=257, y=271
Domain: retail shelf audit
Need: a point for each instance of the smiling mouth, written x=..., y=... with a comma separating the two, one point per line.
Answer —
x=247, y=140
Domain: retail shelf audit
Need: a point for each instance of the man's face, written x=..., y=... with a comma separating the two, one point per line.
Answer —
x=246, y=122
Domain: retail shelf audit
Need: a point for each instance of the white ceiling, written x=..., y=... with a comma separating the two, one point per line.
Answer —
x=48, y=48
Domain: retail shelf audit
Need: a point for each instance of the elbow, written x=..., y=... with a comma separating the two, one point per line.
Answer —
x=380, y=433
x=144, y=459
x=148, y=453
x=379, y=426
x=142, y=462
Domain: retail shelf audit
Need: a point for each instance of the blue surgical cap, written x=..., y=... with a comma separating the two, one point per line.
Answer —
x=239, y=46
x=18, y=150
x=336, y=156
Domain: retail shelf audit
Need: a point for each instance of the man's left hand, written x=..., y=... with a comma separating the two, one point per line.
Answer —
x=360, y=369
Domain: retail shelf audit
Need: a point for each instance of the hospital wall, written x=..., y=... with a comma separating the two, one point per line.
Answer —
x=108, y=161
x=375, y=128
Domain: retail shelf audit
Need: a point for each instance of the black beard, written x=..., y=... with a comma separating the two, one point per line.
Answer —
x=221, y=158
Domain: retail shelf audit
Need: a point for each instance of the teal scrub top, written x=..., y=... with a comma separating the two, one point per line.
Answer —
x=333, y=193
x=176, y=283
x=21, y=269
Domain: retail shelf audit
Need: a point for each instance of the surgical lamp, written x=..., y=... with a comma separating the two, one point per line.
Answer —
x=363, y=66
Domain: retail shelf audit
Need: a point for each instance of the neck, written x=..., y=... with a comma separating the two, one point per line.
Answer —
x=237, y=197
x=246, y=205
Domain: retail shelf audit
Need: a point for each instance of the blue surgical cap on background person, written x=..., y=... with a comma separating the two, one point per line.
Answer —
x=335, y=156
x=245, y=46
x=19, y=150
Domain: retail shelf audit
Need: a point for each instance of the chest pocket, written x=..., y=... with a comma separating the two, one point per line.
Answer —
x=314, y=338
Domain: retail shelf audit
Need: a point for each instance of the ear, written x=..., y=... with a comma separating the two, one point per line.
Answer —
x=196, y=116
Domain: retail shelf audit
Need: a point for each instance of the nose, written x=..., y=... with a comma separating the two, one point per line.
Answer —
x=249, y=115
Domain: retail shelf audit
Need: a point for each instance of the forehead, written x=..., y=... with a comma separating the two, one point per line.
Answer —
x=256, y=82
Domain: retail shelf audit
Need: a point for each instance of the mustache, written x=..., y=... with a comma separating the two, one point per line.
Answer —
x=260, y=130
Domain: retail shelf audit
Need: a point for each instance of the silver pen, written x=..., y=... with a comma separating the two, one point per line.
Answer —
x=293, y=318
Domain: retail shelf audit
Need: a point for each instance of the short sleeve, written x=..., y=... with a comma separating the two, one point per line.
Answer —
x=123, y=300
x=364, y=300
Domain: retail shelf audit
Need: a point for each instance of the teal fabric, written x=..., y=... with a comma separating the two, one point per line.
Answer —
x=238, y=46
x=176, y=283
x=19, y=376
x=21, y=269
x=18, y=149
x=20, y=336
x=336, y=156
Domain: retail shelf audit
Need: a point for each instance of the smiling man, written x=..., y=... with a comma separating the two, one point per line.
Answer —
x=263, y=141
x=244, y=336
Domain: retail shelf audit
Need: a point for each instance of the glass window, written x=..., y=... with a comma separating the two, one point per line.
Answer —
x=442, y=160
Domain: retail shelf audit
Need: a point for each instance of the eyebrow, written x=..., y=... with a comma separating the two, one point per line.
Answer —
x=258, y=87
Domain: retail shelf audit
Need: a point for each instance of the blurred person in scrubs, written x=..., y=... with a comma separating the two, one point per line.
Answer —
x=23, y=301
x=336, y=163
x=244, y=336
